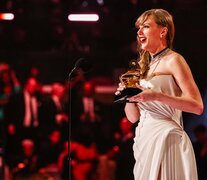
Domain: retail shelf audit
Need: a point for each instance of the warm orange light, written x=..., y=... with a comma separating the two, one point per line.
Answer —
x=6, y=16
x=83, y=17
x=21, y=165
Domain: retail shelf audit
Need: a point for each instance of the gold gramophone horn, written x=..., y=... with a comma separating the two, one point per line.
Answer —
x=132, y=76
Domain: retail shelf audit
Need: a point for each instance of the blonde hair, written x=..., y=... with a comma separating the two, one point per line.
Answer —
x=163, y=19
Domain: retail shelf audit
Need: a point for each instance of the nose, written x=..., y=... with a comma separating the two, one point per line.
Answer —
x=139, y=31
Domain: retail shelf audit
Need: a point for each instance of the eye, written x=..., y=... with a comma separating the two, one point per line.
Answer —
x=146, y=26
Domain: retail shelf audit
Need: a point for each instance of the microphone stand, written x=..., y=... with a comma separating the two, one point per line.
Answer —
x=70, y=118
x=70, y=77
x=81, y=66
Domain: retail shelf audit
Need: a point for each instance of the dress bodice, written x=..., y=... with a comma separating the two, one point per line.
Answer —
x=165, y=84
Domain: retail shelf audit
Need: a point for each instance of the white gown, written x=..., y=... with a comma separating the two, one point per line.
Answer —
x=160, y=143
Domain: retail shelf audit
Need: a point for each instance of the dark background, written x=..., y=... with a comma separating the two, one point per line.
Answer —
x=40, y=36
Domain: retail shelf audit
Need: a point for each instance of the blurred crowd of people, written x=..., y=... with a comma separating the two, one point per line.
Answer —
x=101, y=136
x=35, y=130
x=34, y=124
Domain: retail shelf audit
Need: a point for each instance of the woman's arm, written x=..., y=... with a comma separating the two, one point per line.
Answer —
x=190, y=101
x=132, y=112
x=131, y=109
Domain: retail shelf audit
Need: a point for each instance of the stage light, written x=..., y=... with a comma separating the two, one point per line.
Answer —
x=6, y=16
x=100, y=2
x=83, y=17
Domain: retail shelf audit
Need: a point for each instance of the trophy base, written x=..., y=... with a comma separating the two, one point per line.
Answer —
x=126, y=93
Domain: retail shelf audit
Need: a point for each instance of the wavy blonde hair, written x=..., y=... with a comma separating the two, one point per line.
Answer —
x=163, y=19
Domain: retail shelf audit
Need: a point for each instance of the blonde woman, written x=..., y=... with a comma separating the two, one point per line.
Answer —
x=162, y=149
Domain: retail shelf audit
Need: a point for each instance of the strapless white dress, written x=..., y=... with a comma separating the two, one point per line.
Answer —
x=160, y=143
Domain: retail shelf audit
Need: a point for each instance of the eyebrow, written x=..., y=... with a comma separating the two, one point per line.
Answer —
x=144, y=23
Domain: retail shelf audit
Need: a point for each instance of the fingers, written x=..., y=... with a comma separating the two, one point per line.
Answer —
x=140, y=87
x=120, y=88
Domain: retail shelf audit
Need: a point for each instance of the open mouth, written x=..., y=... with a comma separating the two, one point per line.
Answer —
x=142, y=39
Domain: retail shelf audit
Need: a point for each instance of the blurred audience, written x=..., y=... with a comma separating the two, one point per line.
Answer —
x=9, y=85
x=54, y=111
x=27, y=161
x=125, y=158
x=84, y=158
x=200, y=149
x=50, y=148
x=63, y=161
x=24, y=106
x=86, y=111
x=87, y=107
x=118, y=161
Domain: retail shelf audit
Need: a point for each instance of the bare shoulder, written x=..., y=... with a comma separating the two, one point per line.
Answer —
x=175, y=59
x=173, y=63
x=178, y=67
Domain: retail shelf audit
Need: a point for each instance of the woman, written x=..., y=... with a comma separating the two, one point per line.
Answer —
x=161, y=147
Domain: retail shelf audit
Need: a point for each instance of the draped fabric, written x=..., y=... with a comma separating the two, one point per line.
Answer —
x=161, y=146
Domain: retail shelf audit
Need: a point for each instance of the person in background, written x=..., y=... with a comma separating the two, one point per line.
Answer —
x=27, y=161
x=125, y=158
x=86, y=107
x=9, y=85
x=87, y=113
x=63, y=162
x=53, y=112
x=200, y=148
x=162, y=149
x=49, y=150
x=84, y=157
x=24, y=106
x=118, y=161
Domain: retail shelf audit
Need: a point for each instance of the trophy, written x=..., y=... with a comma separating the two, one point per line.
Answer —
x=129, y=79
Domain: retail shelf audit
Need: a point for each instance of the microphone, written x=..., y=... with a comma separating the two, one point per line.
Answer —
x=81, y=65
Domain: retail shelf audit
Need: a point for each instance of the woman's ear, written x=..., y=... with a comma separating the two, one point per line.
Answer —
x=163, y=32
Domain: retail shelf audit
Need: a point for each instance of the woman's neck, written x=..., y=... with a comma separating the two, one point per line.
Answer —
x=157, y=52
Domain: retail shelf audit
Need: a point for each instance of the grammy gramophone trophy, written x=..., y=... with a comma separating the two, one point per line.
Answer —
x=129, y=79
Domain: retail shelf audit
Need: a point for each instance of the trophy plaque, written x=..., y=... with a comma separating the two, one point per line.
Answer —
x=129, y=79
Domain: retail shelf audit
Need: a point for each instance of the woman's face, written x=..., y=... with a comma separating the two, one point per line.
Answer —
x=149, y=35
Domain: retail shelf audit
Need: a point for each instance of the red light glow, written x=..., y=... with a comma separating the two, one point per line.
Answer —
x=21, y=165
x=83, y=17
x=6, y=16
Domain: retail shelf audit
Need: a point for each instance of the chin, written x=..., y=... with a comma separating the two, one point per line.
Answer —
x=144, y=48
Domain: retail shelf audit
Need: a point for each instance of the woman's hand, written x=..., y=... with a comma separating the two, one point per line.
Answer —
x=120, y=89
x=147, y=94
